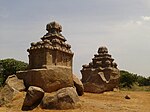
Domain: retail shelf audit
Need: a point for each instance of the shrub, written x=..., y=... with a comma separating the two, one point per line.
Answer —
x=10, y=66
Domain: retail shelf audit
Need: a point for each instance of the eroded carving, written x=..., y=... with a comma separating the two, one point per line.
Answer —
x=101, y=74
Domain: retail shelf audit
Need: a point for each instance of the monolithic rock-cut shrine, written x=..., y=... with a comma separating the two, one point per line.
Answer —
x=52, y=50
x=101, y=74
x=50, y=61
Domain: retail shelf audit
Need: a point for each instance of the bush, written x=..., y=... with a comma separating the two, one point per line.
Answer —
x=126, y=79
x=142, y=81
x=10, y=66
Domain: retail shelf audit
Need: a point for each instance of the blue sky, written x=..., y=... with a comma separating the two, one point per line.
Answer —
x=121, y=25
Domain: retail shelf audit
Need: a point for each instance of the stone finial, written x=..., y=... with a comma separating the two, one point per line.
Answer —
x=102, y=50
x=54, y=28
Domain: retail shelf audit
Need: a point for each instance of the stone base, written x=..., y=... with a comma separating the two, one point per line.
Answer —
x=96, y=81
x=49, y=80
x=95, y=88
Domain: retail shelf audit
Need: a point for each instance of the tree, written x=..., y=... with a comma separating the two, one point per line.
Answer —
x=142, y=81
x=1, y=76
x=126, y=79
x=148, y=81
x=10, y=66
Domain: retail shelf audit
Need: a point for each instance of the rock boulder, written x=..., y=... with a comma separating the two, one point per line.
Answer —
x=7, y=94
x=15, y=83
x=33, y=97
x=65, y=98
x=12, y=87
x=49, y=80
x=78, y=84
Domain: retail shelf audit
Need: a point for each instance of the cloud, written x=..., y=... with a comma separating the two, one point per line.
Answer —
x=146, y=18
x=143, y=20
x=138, y=22
x=130, y=24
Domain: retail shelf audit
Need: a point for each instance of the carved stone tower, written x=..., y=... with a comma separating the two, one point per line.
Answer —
x=101, y=74
x=50, y=61
x=51, y=51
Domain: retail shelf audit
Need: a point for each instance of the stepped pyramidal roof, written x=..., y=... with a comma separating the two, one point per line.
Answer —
x=51, y=50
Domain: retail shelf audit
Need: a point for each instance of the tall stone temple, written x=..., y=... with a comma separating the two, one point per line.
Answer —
x=52, y=50
x=101, y=74
x=50, y=61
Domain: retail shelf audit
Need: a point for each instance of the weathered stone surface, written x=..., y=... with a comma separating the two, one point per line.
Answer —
x=65, y=98
x=52, y=50
x=7, y=94
x=50, y=61
x=94, y=88
x=33, y=97
x=49, y=80
x=79, y=86
x=101, y=74
x=12, y=87
x=13, y=82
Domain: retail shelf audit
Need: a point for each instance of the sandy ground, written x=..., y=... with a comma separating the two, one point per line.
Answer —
x=106, y=102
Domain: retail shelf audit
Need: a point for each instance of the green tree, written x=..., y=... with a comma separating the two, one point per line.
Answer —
x=148, y=81
x=10, y=66
x=142, y=81
x=127, y=79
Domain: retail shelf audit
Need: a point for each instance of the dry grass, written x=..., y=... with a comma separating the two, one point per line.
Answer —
x=106, y=102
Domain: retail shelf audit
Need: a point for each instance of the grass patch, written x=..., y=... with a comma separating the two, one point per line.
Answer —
x=135, y=87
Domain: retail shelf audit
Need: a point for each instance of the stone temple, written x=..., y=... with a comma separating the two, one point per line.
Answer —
x=101, y=74
x=50, y=61
x=51, y=51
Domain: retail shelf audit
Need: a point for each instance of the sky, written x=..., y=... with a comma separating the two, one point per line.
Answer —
x=123, y=26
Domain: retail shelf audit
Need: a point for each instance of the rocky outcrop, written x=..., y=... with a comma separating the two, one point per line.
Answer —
x=7, y=94
x=65, y=98
x=78, y=85
x=15, y=83
x=33, y=97
x=12, y=87
x=101, y=74
x=49, y=80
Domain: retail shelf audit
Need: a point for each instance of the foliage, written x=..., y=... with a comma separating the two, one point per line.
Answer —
x=10, y=66
x=128, y=79
x=142, y=81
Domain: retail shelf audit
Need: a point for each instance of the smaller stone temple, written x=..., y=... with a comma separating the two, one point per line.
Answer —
x=50, y=61
x=101, y=74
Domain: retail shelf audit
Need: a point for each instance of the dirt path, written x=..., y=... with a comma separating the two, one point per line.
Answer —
x=106, y=102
